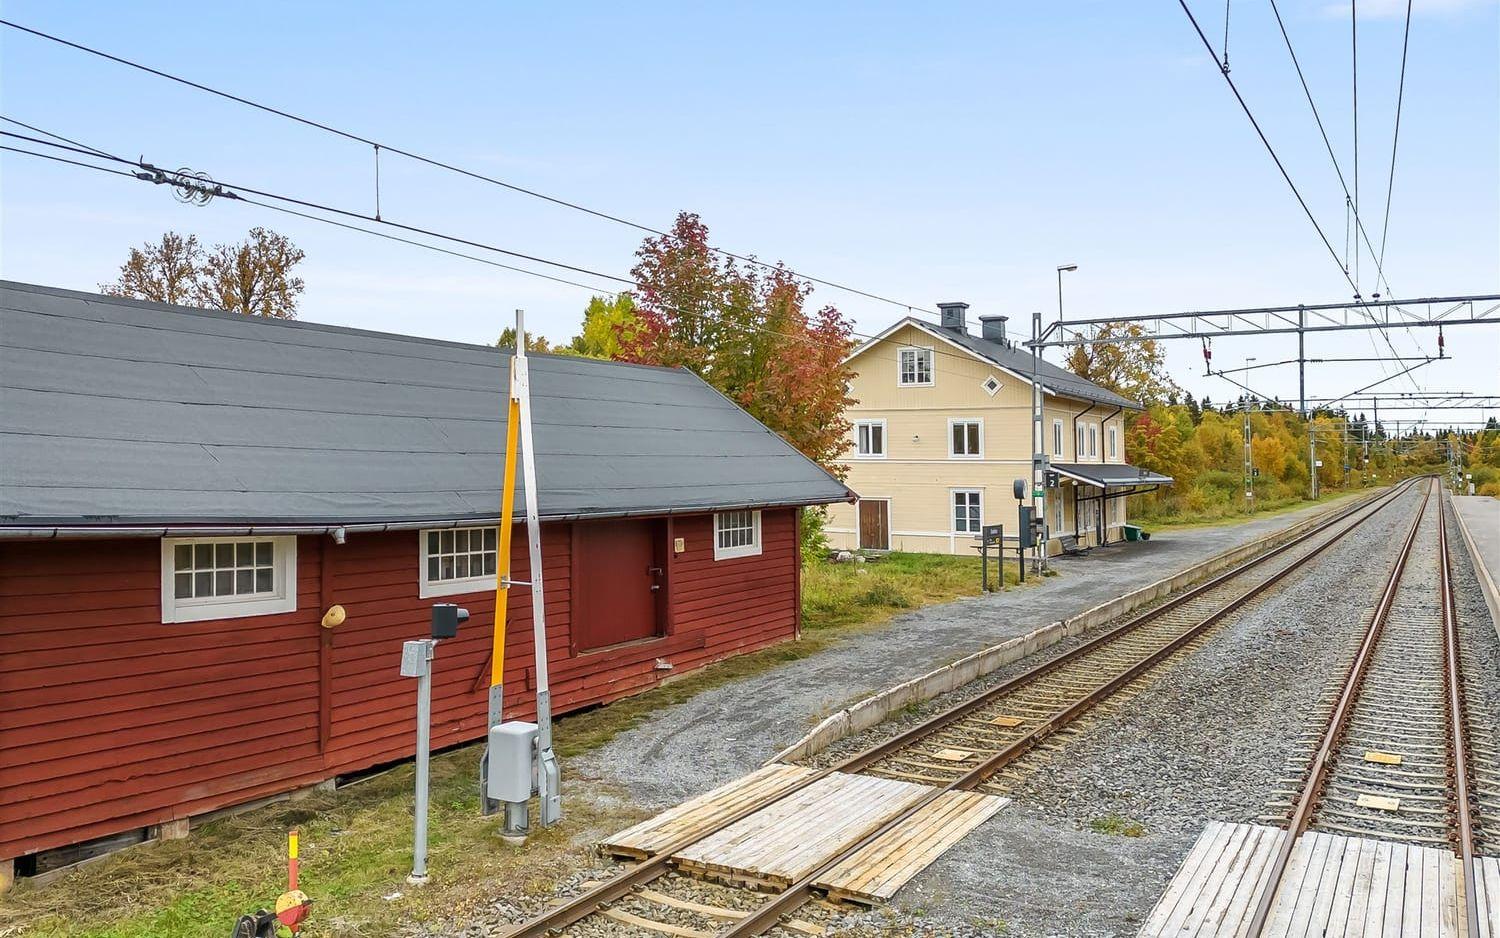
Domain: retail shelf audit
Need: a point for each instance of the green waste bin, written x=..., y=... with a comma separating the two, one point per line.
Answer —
x=1132, y=533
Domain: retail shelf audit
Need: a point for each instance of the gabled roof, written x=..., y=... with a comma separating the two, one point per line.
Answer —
x=1016, y=362
x=120, y=412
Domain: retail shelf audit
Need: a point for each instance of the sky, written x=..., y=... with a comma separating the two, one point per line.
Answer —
x=922, y=152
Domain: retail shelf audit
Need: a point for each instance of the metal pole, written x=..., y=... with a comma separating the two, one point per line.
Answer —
x=548, y=776
x=424, y=722
x=496, y=704
x=1301, y=363
x=1038, y=437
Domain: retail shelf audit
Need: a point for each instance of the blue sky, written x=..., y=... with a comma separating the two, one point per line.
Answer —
x=923, y=152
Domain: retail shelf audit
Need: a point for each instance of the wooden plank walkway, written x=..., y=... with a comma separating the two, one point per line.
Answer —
x=703, y=813
x=1334, y=885
x=788, y=840
x=874, y=872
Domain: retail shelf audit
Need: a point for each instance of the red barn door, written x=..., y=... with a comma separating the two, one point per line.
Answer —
x=619, y=582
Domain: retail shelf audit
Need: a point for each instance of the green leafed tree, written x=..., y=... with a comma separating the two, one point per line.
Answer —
x=605, y=323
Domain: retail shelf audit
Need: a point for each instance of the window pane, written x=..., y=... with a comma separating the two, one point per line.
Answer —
x=447, y=547
x=877, y=437
x=263, y=554
x=461, y=541
x=184, y=585
x=203, y=555
x=244, y=554
x=264, y=581
x=489, y=564
x=223, y=555
x=489, y=538
x=244, y=581
x=183, y=556
x=447, y=569
x=224, y=583
x=432, y=542
x=958, y=439
x=203, y=583
x=461, y=565
x=432, y=566
x=973, y=439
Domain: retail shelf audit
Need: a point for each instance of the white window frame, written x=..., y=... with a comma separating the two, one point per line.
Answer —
x=885, y=438
x=985, y=385
x=953, y=511
x=427, y=588
x=282, y=599
x=745, y=550
x=1081, y=436
x=1057, y=437
x=1114, y=442
x=965, y=421
x=1093, y=441
x=901, y=369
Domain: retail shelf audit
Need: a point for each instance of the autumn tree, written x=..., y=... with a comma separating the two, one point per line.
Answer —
x=163, y=272
x=253, y=277
x=534, y=342
x=748, y=332
x=1121, y=360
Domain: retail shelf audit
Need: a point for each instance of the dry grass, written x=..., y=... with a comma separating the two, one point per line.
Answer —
x=356, y=842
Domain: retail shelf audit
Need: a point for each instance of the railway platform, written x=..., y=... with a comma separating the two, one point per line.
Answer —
x=1334, y=885
x=1479, y=529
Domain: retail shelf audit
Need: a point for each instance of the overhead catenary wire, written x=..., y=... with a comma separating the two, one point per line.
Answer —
x=1395, y=136
x=444, y=165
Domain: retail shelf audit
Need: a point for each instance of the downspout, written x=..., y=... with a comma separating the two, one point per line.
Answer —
x=1077, y=457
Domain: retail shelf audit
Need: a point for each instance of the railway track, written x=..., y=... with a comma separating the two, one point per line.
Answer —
x=1393, y=760
x=972, y=747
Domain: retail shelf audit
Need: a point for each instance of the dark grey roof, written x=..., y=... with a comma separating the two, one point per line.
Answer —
x=120, y=412
x=1110, y=473
x=1058, y=380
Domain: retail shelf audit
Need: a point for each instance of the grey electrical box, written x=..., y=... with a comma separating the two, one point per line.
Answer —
x=1027, y=533
x=512, y=761
x=416, y=657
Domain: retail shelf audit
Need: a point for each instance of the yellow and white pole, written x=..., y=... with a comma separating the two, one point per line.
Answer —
x=502, y=582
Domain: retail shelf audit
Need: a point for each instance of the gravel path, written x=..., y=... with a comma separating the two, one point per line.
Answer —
x=1205, y=741
x=729, y=730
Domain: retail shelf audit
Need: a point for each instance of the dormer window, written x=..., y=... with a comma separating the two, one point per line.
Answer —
x=914, y=367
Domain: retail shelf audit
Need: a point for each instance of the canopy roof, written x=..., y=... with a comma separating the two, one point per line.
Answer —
x=1107, y=475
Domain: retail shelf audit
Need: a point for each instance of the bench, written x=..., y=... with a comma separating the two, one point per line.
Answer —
x=1070, y=546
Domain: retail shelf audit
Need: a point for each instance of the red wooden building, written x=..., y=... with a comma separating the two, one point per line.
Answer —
x=184, y=495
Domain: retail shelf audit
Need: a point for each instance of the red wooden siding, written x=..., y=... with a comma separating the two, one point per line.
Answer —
x=111, y=720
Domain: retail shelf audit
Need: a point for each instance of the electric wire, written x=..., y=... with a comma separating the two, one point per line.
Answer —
x=441, y=164
x=1395, y=136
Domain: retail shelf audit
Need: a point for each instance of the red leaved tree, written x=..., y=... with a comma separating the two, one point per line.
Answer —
x=747, y=332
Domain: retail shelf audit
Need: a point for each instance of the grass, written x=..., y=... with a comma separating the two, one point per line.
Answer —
x=1218, y=514
x=356, y=842
x=1113, y=825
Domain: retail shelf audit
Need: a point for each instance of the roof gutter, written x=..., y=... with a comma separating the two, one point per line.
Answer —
x=340, y=531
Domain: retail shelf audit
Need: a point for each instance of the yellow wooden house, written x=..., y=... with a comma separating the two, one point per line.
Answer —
x=942, y=428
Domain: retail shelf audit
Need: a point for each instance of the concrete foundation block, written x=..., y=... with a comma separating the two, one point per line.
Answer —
x=7, y=875
x=175, y=829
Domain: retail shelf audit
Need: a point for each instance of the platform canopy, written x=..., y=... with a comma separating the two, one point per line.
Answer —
x=1110, y=475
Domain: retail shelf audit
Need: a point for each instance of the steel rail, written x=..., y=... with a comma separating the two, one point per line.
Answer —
x=1457, y=734
x=551, y=922
x=784, y=903
x=1333, y=732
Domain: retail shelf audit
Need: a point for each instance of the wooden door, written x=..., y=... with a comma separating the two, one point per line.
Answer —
x=874, y=524
x=619, y=582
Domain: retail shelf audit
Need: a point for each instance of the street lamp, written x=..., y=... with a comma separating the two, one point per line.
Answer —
x=1249, y=453
x=1068, y=268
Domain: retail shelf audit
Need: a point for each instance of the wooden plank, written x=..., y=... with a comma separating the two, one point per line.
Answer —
x=1487, y=870
x=703, y=813
x=1176, y=899
x=1395, y=892
x=789, y=839
x=1218, y=883
x=1341, y=898
x=712, y=911
x=1241, y=907
x=666, y=928
x=876, y=871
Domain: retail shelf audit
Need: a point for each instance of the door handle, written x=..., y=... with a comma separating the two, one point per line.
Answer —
x=654, y=571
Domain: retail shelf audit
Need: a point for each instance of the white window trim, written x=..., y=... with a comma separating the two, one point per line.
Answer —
x=984, y=385
x=952, y=514
x=1057, y=437
x=729, y=553
x=1114, y=442
x=1080, y=439
x=931, y=366
x=230, y=607
x=955, y=421
x=470, y=584
x=885, y=438
x=1093, y=441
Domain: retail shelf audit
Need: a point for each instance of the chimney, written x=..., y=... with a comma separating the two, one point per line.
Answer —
x=953, y=316
x=992, y=328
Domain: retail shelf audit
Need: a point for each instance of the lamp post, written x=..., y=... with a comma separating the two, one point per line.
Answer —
x=1065, y=268
x=1039, y=449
